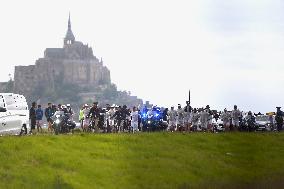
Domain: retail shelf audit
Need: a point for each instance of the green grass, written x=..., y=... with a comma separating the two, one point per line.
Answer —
x=145, y=160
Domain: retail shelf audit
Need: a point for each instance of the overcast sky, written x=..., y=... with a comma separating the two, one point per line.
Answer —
x=226, y=51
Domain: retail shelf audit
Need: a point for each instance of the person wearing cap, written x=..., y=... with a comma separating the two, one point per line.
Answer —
x=172, y=114
x=235, y=114
x=279, y=119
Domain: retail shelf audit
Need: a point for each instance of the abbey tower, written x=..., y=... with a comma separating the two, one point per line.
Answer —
x=75, y=63
x=71, y=73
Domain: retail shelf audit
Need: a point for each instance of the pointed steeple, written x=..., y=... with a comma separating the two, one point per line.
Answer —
x=69, y=37
x=69, y=22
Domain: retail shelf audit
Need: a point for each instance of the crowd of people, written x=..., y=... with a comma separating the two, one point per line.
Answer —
x=36, y=114
x=113, y=118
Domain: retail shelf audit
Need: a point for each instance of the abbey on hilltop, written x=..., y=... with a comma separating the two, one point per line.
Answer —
x=68, y=73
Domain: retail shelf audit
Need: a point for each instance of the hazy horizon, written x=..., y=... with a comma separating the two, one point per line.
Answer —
x=225, y=52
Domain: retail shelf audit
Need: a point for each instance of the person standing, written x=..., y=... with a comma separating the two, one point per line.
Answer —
x=134, y=119
x=210, y=118
x=236, y=114
x=204, y=116
x=82, y=117
x=172, y=114
x=279, y=119
x=94, y=115
x=39, y=116
x=195, y=119
x=226, y=118
x=110, y=115
x=180, y=118
x=187, y=116
x=33, y=117
x=48, y=114
x=86, y=122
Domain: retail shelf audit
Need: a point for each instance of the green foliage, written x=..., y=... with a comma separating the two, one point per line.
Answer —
x=110, y=92
x=143, y=160
x=60, y=92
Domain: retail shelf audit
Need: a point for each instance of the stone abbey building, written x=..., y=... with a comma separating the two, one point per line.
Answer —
x=73, y=64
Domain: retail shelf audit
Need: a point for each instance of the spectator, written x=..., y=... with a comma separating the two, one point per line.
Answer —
x=195, y=119
x=279, y=119
x=48, y=114
x=134, y=119
x=172, y=115
x=226, y=118
x=39, y=115
x=33, y=117
x=236, y=114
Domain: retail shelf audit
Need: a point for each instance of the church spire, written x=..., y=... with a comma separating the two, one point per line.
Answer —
x=69, y=37
x=69, y=22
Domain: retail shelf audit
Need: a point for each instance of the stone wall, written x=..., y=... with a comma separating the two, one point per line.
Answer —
x=3, y=86
x=24, y=79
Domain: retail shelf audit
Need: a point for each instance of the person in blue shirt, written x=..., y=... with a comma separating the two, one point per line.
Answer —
x=39, y=116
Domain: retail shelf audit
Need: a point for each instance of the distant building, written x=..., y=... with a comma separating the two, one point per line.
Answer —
x=75, y=63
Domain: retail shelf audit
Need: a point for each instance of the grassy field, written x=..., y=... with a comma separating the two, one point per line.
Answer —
x=144, y=160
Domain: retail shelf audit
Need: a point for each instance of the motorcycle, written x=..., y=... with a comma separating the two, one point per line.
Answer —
x=62, y=123
x=248, y=125
x=153, y=121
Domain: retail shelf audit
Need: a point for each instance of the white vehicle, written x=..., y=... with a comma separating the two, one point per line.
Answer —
x=14, y=113
x=263, y=123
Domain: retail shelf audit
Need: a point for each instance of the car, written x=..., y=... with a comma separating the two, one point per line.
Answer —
x=14, y=114
x=263, y=123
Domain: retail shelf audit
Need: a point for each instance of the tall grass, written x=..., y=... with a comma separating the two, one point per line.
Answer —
x=144, y=160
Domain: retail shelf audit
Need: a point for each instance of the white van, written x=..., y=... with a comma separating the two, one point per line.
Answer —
x=14, y=113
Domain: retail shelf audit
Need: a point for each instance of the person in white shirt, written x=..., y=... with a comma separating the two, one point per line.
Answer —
x=236, y=114
x=204, y=115
x=194, y=119
x=110, y=117
x=226, y=118
x=134, y=119
x=172, y=114
x=180, y=118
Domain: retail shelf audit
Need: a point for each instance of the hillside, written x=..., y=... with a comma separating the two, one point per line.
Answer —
x=144, y=160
